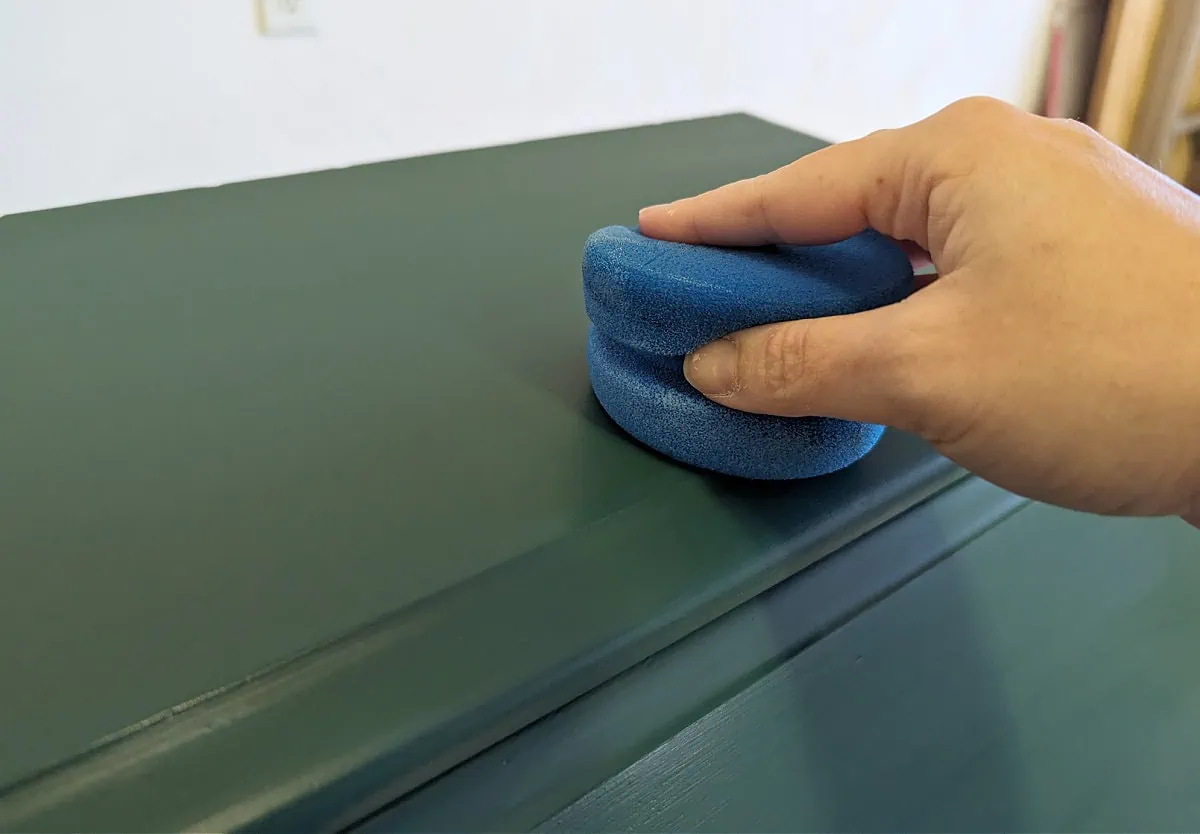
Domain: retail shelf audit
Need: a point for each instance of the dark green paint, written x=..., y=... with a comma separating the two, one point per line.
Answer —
x=240, y=425
x=1042, y=679
x=518, y=783
x=304, y=475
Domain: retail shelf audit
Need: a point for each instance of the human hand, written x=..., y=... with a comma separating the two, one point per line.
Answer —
x=1058, y=352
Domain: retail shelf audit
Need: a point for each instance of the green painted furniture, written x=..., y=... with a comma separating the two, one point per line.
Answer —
x=308, y=521
x=1041, y=679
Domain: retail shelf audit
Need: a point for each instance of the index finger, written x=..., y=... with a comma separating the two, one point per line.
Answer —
x=823, y=197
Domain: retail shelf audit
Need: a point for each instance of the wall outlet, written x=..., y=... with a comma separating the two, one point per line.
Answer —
x=284, y=18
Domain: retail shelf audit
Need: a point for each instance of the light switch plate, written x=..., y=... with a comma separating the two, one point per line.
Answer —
x=284, y=18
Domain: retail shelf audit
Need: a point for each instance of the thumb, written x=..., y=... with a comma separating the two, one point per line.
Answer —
x=854, y=367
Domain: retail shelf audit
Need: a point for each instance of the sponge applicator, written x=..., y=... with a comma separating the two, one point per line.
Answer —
x=651, y=302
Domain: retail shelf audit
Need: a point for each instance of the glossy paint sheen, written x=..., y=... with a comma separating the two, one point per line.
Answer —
x=1041, y=679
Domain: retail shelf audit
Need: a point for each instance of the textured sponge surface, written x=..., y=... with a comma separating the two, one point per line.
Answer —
x=648, y=396
x=651, y=302
x=671, y=298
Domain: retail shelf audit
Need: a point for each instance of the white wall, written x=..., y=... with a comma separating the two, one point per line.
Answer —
x=120, y=97
x=842, y=69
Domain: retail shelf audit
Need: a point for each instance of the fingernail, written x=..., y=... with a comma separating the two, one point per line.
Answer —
x=712, y=370
x=657, y=207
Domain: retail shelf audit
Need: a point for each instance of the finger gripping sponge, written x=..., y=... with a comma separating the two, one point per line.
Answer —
x=651, y=302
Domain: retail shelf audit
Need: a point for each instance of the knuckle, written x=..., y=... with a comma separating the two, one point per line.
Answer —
x=1080, y=136
x=760, y=207
x=980, y=108
x=1076, y=128
x=881, y=134
x=979, y=134
x=981, y=127
x=782, y=365
x=899, y=204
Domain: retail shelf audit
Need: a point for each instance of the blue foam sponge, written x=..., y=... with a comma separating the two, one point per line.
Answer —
x=651, y=302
